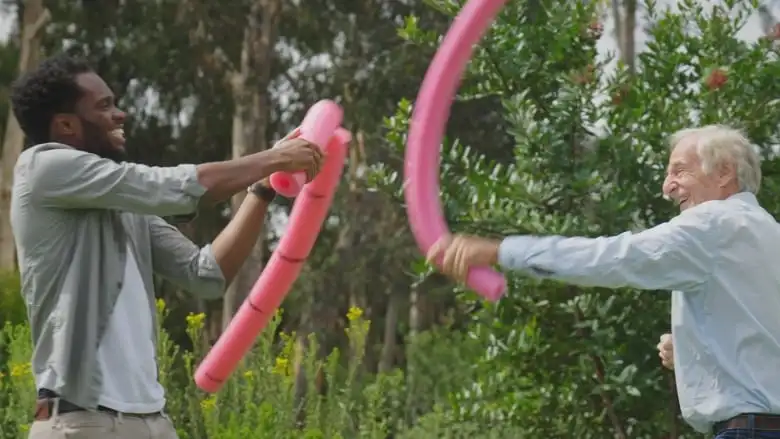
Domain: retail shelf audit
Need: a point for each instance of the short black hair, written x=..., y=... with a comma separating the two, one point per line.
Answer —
x=49, y=89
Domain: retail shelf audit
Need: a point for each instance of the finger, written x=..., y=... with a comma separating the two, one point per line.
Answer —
x=459, y=258
x=462, y=260
x=447, y=263
x=317, y=150
x=319, y=161
x=311, y=172
x=436, y=250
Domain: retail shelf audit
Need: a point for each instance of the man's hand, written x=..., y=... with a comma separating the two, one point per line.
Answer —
x=295, y=154
x=666, y=351
x=461, y=252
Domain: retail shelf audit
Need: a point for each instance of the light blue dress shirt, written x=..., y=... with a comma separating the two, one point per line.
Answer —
x=721, y=260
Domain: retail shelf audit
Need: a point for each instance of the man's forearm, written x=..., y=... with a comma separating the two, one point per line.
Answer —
x=670, y=256
x=224, y=179
x=234, y=244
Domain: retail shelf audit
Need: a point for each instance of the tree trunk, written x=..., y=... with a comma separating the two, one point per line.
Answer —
x=250, y=125
x=34, y=20
x=389, y=344
x=625, y=31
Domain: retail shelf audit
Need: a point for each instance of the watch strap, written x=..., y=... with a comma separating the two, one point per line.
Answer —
x=263, y=192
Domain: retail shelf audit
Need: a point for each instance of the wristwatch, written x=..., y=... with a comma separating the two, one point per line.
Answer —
x=262, y=191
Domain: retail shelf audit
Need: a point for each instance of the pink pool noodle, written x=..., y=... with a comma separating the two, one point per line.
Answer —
x=320, y=122
x=285, y=264
x=431, y=111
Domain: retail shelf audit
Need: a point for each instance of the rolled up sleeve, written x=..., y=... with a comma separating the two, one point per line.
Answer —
x=63, y=177
x=676, y=255
x=181, y=262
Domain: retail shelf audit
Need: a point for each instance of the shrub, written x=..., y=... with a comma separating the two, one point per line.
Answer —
x=262, y=399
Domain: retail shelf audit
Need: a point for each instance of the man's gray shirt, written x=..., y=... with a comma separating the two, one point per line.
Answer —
x=72, y=213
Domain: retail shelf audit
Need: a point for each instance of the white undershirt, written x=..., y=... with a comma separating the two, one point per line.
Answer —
x=126, y=355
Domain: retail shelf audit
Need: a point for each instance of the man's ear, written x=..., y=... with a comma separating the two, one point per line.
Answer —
x=726, y=173
x=65, y=125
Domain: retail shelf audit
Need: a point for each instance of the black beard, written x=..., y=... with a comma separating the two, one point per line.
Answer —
x=113, y=154
x=96, y=141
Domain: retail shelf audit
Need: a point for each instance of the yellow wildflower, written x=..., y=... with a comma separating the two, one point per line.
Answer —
x=354, y=313
x=18, y=370
x=195, y=321
x=248, y=374
x=280, y=368
x=160, y=305
x=209, y=403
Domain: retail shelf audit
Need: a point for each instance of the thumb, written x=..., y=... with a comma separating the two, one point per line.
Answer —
x=293, y=134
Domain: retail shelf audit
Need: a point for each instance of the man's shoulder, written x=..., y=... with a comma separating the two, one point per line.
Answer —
x=29, y=154
x=738, y=214
x=701, y=213
x=718, y=208
x=42, y=147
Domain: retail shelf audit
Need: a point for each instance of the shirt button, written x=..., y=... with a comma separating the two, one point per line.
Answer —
x=119, y=285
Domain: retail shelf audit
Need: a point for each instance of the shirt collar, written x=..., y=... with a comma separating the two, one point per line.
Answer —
x=747, y=197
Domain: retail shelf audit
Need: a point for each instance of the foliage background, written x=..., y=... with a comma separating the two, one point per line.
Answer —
x=544, y=137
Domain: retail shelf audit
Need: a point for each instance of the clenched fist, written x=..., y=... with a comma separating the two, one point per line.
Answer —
x=666, y=351
x=295, y=154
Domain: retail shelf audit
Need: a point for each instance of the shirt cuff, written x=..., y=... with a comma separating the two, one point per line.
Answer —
x=513, y=252
x=210, y=279
x=190, y=184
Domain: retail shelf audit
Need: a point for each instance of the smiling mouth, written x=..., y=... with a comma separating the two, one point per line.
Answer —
x=118, y=135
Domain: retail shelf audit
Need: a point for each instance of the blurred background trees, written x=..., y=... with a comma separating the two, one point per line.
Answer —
x=552, y=132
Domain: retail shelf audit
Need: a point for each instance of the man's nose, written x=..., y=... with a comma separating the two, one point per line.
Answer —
x=119, y=116
x=669, y=186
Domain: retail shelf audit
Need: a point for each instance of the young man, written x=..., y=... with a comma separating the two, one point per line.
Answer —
x=89, y=238
x=719, y=256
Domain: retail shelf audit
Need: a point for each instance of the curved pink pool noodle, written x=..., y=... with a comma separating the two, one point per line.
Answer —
x=285, y=264
x=429, y=118
x=320, y=122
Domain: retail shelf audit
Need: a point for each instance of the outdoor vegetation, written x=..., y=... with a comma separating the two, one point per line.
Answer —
x=546, y=136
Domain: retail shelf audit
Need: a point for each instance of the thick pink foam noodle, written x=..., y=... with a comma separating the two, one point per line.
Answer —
x=429, y=118
x=307, y=216
x=320, y=122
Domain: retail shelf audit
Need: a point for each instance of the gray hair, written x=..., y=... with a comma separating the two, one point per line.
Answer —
x=719, y=144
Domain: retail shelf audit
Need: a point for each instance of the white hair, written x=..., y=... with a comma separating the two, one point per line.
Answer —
x=718, y=145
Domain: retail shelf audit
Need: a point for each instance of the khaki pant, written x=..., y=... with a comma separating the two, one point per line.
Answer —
x=101, y=425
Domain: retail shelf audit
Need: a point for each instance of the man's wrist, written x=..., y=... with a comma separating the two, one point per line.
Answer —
x=495, y=250
x=272, y=160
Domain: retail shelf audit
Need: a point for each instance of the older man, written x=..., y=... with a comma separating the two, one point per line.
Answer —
x=719, y=256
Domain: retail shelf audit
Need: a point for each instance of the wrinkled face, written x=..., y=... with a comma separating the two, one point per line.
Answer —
x=686, y=182
x=97, y=125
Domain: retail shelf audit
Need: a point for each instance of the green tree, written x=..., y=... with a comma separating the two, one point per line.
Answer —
x=588, y=160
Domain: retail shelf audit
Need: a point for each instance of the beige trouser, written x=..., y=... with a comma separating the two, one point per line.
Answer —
x=102, y=425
